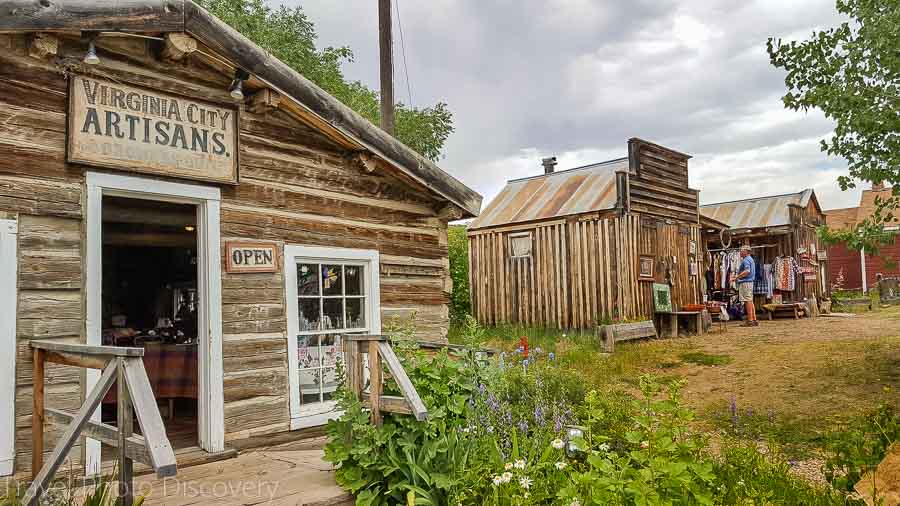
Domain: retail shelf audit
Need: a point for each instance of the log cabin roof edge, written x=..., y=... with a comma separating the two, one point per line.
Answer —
x=156, y=16
x=584, y=189
x=759, y=212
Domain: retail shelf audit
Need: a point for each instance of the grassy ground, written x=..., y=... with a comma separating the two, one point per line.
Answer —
x=785, y=381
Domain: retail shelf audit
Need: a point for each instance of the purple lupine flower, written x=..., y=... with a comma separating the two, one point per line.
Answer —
x=551, y=356
x=523, y=426
x=537, y=350
x=482, y=389
x=734, y=411
x=557, y=423
x=538, y=415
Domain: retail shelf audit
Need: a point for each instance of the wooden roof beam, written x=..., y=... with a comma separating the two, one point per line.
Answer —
x=43, y=45
x=177, y=46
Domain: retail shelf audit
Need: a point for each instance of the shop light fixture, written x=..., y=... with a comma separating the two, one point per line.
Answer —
x=189, y=228
x=91, y=57
x=237, y=85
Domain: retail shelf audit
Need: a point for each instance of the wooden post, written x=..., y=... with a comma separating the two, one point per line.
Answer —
x=37, y=413
x=375, y=378
x=124, y=422
x=385, y=43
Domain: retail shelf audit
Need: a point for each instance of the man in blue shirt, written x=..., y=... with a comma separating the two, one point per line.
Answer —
x=745, y=279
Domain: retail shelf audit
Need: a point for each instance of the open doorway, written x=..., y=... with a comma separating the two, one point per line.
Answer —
x=149, y=299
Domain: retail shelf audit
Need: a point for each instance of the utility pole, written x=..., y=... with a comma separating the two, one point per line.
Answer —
x=385, y=43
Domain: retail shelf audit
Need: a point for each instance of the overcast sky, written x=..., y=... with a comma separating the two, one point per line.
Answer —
x=577, y=78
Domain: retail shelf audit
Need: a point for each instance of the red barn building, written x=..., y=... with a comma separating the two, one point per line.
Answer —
x=861, y=272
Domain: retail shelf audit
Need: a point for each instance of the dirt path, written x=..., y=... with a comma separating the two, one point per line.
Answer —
x=800, y=368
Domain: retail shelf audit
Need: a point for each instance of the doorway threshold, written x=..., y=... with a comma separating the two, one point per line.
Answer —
x=188, y=456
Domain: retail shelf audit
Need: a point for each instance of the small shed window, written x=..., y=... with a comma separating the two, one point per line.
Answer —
x=520, y=245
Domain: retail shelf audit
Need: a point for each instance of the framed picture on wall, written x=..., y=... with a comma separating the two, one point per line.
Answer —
x=662, y=298
x=646, y=263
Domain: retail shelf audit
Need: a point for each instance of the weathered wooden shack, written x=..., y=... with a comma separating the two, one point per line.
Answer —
x=777, y=226
x=576, y=247
x=166, y=183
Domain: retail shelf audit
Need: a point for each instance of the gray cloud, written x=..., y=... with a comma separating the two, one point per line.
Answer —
x=577, y=78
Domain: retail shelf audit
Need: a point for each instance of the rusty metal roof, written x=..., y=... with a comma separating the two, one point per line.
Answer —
x=760, y=212
x=562, y=193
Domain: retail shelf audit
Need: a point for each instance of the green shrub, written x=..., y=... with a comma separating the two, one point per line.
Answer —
x=458, y=249
x=860, y=446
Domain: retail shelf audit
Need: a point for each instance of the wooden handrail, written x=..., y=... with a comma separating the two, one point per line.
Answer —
x=123, y=366
x=380, y=352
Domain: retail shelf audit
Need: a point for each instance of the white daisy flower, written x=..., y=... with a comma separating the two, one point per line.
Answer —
x=604, y=447
x=520, y=464
x=506, y=477
x=575, y=502
x=525, y=482
x=508, y=466
x=558, y=444
x=497, y=480
x=560, y=465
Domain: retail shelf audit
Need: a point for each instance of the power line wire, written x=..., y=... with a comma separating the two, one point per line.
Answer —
x=403, y=50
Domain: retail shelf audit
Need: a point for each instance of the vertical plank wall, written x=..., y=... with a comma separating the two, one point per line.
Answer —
x=580, y=272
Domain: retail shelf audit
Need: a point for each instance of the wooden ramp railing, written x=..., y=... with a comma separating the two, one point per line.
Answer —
x=125, y=367
x=380, y=352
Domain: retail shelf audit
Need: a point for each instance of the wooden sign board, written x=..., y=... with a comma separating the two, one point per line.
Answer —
x=243, y=256
x=128, y=128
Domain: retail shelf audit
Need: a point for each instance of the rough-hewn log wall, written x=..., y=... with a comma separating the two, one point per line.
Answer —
x=297, y=187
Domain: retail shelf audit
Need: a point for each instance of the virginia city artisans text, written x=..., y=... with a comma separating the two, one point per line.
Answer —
x=121, y=126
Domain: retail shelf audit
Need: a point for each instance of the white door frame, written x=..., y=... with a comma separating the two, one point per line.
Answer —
x=210, y=402
x=370, y=258
x=8, y=345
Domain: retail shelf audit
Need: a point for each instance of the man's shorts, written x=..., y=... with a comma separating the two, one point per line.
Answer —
x=745, y=292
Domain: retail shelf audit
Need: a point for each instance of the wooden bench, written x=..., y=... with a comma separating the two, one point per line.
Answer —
x=611, y=334
x=773, y=310
x=668, y=322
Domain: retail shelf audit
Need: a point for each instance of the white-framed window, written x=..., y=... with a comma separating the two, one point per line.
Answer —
x=520, y=245
x=330, y=292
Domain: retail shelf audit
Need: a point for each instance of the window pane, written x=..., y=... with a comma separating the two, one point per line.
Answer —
x=307, y=282
x=354, y=276
x=307, y=352
x=356, y=316
x=333, y=317
x=332, y=280
x=331, y=350
x=331, y=384
x=309, y=386
x=309, y=314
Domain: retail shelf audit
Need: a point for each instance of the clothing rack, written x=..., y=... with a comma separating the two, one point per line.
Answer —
x=738, y=248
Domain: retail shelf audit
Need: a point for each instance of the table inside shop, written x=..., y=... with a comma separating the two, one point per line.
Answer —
x=172, y=371
x=667, y=322
x=794, y=308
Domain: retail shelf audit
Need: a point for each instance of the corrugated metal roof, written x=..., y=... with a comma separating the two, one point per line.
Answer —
x=574, y=191
x=760, y=212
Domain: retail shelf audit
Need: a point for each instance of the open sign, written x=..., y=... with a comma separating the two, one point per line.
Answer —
x=250, y=257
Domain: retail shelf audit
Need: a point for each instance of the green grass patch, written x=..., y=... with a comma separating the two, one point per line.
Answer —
x=702, y=358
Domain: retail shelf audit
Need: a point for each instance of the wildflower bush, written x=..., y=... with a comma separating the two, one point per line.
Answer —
x=522, y=430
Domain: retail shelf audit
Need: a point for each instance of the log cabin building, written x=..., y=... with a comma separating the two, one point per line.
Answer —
x=166, y=183
x=777, y=228
x=573, y=248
